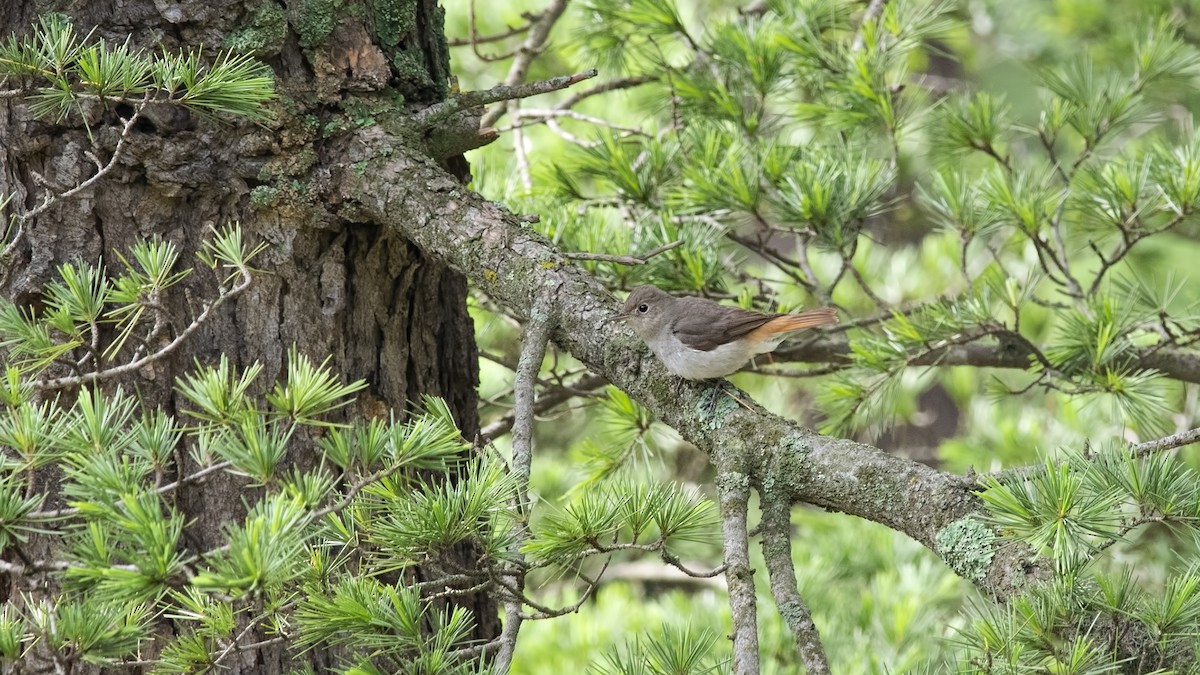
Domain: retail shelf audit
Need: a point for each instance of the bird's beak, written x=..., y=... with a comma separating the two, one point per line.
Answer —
x=619, y=317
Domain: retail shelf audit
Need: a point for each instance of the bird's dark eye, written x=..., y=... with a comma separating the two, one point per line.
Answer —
x=643, y=308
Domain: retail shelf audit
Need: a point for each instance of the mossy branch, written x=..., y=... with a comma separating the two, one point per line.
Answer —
x=509, y=262
x=501, y=92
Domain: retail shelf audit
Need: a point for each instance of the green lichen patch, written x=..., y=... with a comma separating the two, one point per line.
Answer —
x=393, y=20
x=412, y=74
x=265, y=34
x=263, y=196
x=288, y=164
x=715, y=404
x=968, y=547
x=732, y=482
x=317, y=20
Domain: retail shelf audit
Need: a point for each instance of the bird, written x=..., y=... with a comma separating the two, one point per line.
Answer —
x=699, y=339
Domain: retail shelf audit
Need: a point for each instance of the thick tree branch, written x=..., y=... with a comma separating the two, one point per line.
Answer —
x=512, y=263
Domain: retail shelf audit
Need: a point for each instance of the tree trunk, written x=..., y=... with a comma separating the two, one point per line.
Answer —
x=374, y=303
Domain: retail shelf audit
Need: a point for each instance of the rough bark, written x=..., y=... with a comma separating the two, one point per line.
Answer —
x=510, y=262
x=376, y=304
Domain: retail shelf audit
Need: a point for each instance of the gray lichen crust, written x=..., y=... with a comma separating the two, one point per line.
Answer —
x=968, y=547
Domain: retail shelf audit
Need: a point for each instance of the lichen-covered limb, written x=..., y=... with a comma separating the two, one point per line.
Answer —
x=500, y=92
x=512, y=263
x=733, y=493
x=777, y=553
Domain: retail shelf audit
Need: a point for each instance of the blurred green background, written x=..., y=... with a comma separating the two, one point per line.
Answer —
x=882, y=602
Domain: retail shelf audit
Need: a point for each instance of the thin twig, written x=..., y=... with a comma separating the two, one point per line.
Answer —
x=533, y=350
x=872, y=14
x=486, y=58
x=134, y=366
x=550, y=613
x=1167, y=442
x=535, y=116
x=824, y=295
x=866, y=287
x=501, y=92
x=477, y=39
x=624, y=259
x=547, y=401
x=474, y=652
x=782, y=262
x=162, y=490
x=355, y=489
x=253, y=623
x=1129, y=240
x=562, y=133
x=1126, y=528
x=101, y=172
x=1137, y=449
x=605, y=87
x=674, y=561
x=535, y=42
x=522, y=154
x=459, y=592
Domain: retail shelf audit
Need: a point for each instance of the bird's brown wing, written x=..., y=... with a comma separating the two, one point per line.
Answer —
x=705, y=329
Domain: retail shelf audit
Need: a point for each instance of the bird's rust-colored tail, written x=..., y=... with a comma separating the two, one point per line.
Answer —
x=809, y=318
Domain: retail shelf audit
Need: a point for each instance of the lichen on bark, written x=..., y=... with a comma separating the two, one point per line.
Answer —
x=265, y=33
x=377, y=305
x=968, y=546
x=507, y=259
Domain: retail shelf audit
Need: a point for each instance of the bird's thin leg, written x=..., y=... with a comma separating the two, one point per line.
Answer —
x=723, y=386
x=735, y=394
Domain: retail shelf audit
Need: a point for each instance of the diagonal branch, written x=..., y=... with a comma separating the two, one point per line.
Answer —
x=535, y=41
x=605, y=87
x=546, y=402
x=101, y=171
x=246, y=279
x=511, y=262
x=633, y=260
x=477, y=39
x=1178, y=364
x=777, y=553
x=501, y=92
